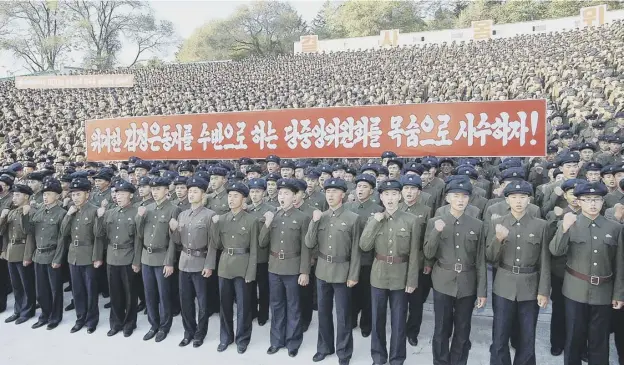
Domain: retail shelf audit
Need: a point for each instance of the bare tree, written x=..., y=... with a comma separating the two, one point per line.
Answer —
x=36, y=32
x=148, y=34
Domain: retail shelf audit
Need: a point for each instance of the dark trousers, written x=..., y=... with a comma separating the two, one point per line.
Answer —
x=101, y=274
x=515, y=324
x=307, y=299
x=85, y=291
x=557, y=319
x=260, y=293
x=175, y=286
x=235, y=291
x=286, y=322
x=49, y=286
x=213, y=288
x=452, y=317
x=587, y=324
x=326, y=294
x=524, y=316
x=194, y=286
x=617, y=327
x=416, y=301
x=5, y=283
x=361, y=303
x=23, y=283
x=123, y=314
x=138, y=288
x=157, y=297
x=398, y=316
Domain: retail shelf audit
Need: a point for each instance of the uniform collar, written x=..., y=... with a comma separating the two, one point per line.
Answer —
x=583, y=221
x=337, y=212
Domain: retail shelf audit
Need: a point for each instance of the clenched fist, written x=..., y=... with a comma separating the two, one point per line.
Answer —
x=378, y=217
x=215, y=219
x=439, y=225
x=618, y=212
x=101, y=211
x=104, y=203
x=268, y=218
x=26, y=209
x=558, y=191
x=501, y=232
x=316, y=215
x=72, y=210
x=568, y=221
x=173, y=224
x=141, y=211
x=558, y=211
x=4, y=213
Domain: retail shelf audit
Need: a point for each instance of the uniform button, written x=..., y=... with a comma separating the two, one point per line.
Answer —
x=517, y=248
x=281, y=241
x=595, y=251
x=233, y=219
x=232, y=236
x=457, y=246
x=390, y=229
x=595, y=237
x=116, y=227
x=390, y=252
x=330, y=247
x=457, y=222
x=116, y=236
x=390, y=241
x=331, y=225
x=457, y=234
x=458, y=259
x=282, y=222
x=153, y=226
x=593, y=225
x=517, y=260
x=118, y=220
x=282, y=232
x=390, y=218
x=595, y=264
x=518, y=235
x=330, y=237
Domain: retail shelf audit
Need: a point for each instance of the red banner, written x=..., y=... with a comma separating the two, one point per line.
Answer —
x=479, y=129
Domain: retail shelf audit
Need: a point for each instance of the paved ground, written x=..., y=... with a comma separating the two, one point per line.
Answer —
x=25, y=346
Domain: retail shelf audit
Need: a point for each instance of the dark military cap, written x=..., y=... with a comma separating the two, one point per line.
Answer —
x=432, y=161
x=254, y=168
x=219, y=171
x=16, y=167
x=556, y=172
x=160, y=181
x=312, y=173
x=324, y=168
x=467, y=170
x=571, y=184
x=9, y=172
x=518, y=187
x=7, y=179
x=351, y=171
x=412, y=180
x=388, y=154
x=257, y=184
x=103, y=175
x=302, y=185
x=566, y=135
x=52, y=185
x=144, y=181
x=458, y=186
x=301, y=164
x=614, y=139
x=597, y=188
x=551, y=165
x=390, y=185
x=617, y=168
x=80, y=175
x=383, y=170
x=180, y=180
x=238, y=187
x=245, y=161
x=171, y=175
x=289, y=184
x=607, y=170
x=143, y=165
x=593, y=166
x=335, y=183
x=24, y=189
x=30, y=164
x=395, y=161
x=513, y=173
x=339, y=166
x=37, y=175
x=368, y=178
x=552, y=149
x=154, y=172
x=273, y=177
x=370, y=167
x=273, y=158
x=586, y=146
x=202, y=174
x=226, y=165
x=123, y=185
x=80, y=184
x=197, y=182
x=461, y=178
x=66, y=178
x=448, y=160
x=185, y=167
x=287, y=164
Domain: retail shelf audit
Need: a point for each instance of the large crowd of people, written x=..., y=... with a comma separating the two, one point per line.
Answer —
x=282, y=239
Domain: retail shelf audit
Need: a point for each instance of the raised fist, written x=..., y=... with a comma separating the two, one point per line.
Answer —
x=141, y=211
x=268, y=218
x=501, y=232
x=72, y=210
x=215, y=218
x=378, y=217
x=316, y=215
x=439, y=225
x=568, y=221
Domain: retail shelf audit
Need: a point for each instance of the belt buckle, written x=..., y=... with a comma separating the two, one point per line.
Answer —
x=39, y=250
x=458, y=268
x=230, y=251
x=149, y=250
x=281, y=255
x=594, y=280
x=329, y=258
x=515, y=269
x=76, y=242
x=390, y=260
x=114, y=246
x=189, y=251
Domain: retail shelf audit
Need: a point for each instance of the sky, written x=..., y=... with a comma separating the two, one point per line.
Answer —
x=185, y=15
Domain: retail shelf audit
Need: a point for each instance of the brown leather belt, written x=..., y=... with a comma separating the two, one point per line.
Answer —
x=456, y=267
x=152, y=250
x=235, y=251
x=285, y=255
x=517, y=269
x=593, y=280
x=333, y=259
x=120, y=246
x=195, y=253
x=392, y=259
x=46, y=249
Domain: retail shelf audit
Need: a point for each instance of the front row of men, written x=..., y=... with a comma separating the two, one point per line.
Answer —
x=343, y=240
